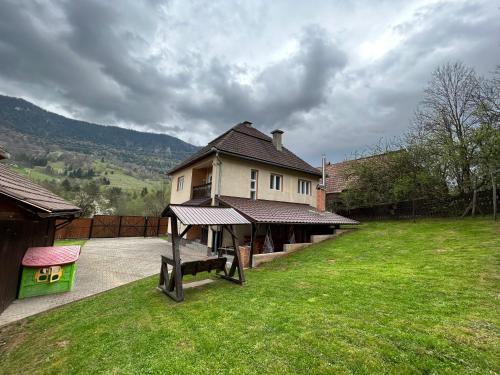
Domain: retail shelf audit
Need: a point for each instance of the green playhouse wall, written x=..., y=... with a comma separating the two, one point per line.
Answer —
x=30, y=288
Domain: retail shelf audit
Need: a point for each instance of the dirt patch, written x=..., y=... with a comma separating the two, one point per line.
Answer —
x=11, y=337
x=332, y=261
x=441, y=250
x=63, y=344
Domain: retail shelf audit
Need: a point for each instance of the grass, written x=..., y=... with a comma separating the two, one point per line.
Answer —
x=117, y=179
x=69, y=242
x=394, y=297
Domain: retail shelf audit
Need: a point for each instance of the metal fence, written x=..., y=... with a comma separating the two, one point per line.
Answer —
x=109, y=226
x=449, y=206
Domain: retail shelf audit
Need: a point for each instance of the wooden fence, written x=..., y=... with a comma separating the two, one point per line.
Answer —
x=107, y=226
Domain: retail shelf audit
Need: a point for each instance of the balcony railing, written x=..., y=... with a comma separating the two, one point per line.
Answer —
x=202, y=191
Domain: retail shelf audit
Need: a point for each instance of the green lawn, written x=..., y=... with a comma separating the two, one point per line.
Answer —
x=394, y=297
x=69, y=242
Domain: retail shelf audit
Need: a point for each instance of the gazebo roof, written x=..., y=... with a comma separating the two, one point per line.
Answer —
x=196, y=215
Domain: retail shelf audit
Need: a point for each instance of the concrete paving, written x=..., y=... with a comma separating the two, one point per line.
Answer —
x=103, y=264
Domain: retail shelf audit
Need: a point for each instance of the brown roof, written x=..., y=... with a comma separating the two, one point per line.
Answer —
x=264, y=211
x=243, y=140
x=192, y=215
x=336, y=180
x=27, y=192
x=338, y=175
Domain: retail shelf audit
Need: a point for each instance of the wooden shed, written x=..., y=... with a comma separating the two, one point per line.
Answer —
x=28, y=214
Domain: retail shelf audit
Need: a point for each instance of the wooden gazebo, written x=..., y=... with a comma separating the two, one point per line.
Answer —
x=190, y=216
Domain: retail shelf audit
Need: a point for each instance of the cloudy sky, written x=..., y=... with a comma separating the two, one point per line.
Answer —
x=336, y=76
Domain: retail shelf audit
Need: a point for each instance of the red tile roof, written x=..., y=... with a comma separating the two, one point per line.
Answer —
x=336, y=180
x=265, y=211
x=243, y=140
x=27, y=192
x=339, y=175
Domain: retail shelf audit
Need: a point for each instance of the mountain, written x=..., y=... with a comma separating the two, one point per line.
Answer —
x=26, y=129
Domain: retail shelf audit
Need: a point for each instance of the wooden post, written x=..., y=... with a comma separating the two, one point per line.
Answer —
x=474, y=199
x=145, y=226
x=158, y=227
x=177, y=259
x=494, y=190
x=237, y=263
x=253, y=232
x=120, y=226
x=91, y=227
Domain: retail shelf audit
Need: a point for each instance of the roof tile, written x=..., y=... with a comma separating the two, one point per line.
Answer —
x=265, y=211
x=246, y=141
x=22, y=189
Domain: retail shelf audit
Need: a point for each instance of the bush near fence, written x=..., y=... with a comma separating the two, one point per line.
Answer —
x=450, y=206
x=110, y=226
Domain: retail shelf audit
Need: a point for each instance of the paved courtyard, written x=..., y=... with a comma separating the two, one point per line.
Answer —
x=103, y=264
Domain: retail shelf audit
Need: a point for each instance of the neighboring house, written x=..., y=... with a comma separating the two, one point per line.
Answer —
x=28, y=214
x=340, y=175
x=336, y=183
x=279, y=193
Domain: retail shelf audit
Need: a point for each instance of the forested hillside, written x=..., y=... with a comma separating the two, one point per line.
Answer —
x=105, y=168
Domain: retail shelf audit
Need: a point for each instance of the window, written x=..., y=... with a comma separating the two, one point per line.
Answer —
x=254, y=177
x=304, y=187
x=180, y=183
x=276, y=182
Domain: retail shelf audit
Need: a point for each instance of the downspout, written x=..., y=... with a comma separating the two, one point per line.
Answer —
x=219, y=173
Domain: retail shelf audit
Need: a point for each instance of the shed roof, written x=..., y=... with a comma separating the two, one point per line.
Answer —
x=264, y=211
x=25, y=191
x=50, y=256
x=195, y=215
x=245, y=141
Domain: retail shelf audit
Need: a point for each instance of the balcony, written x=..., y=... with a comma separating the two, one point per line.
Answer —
x=202, y=191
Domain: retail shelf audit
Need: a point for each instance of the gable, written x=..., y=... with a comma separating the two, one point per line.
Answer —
x=247, y=142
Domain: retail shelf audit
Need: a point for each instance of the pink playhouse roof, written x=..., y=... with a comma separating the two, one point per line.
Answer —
x=50, y=256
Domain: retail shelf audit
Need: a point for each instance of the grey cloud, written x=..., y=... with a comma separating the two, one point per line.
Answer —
x=177, y=67
x=296, y=84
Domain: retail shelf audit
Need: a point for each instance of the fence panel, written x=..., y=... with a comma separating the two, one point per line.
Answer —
x=132, y=226
x=76, y=229
x=108, y=226
x=105, y=226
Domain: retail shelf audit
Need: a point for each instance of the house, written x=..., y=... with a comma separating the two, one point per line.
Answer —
x=340, y=175
x=28, y=214
x=336, y=183
x=278, y=192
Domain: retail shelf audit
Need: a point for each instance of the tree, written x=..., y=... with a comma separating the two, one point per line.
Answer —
x=487, y=136
x=156, y=203
x=66, y=185
x=446, y=121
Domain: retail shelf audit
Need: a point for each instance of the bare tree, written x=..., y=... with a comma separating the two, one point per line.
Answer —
x=446, y=120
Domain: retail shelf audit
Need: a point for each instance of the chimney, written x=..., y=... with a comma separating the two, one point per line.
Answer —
x=277, y=139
